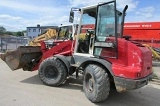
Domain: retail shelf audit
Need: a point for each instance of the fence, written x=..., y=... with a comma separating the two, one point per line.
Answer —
x=11, y=43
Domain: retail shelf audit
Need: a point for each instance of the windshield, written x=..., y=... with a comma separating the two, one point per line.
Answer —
x=87, y=26
x=88, y=22
x=86, y=19
x=65, y=32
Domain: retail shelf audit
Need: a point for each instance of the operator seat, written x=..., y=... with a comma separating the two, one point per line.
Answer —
x=85, y=44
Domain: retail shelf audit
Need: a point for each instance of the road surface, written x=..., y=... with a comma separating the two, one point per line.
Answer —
x=20, y=88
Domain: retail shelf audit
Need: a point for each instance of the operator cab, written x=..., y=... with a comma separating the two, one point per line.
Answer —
x=66, y=32
x=98, y=31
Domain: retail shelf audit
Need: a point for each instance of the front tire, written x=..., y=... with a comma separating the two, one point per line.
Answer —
x=96, y=83
x=52, y=72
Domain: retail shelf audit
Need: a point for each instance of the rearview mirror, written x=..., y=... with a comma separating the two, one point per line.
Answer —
x=71, y=17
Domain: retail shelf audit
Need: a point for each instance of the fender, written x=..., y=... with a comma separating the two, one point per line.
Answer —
x=64, y=60
x=84, y=61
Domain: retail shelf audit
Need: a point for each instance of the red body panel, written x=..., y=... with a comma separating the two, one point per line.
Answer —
x=144, y=32
x=134, y=61
x=141, y=34
x=62, y=47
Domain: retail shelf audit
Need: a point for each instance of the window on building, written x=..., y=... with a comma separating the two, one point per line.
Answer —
x=29, y=30
x=34, y=30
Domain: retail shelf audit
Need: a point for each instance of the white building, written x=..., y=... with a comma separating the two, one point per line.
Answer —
x=33, y=32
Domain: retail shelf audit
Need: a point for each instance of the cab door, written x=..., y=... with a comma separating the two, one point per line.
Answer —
x=106, y=44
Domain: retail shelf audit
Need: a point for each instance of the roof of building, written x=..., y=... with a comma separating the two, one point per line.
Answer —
x=44, y=27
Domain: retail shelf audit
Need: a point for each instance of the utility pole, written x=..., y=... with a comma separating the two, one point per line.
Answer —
x=1, y=45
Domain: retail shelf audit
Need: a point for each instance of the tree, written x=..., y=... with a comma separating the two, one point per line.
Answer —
x=2, y=30
x=8, y=33
x=19, y=33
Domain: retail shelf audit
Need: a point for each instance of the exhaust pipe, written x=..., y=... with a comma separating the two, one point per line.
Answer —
x=123, y=18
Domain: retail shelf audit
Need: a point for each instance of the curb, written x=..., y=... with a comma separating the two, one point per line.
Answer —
x=156, y=63
x=156, y=78
x=155, y=81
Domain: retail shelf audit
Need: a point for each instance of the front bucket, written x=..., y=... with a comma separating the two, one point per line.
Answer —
x=22, y=57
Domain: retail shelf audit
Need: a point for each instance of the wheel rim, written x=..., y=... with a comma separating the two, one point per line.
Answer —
x=51, y=72
x=89, y=82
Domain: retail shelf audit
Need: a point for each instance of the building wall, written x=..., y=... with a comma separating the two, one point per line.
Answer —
x=33, y=32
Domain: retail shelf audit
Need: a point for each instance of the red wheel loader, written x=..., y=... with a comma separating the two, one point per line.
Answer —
x=103, y=56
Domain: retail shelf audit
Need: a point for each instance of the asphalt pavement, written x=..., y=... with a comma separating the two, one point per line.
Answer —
x=23, y=88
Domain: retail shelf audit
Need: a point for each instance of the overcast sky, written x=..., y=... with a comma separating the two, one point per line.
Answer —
x=16, y=15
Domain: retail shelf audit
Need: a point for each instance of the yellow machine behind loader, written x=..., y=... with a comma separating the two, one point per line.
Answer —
x=155, y=54
x=49, y=34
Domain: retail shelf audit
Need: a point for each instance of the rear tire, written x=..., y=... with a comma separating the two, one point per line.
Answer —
x=96, y=83
x=52, y=72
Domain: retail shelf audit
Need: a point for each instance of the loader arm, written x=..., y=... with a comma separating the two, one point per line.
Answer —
x=51, y=33
x=61, y=48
